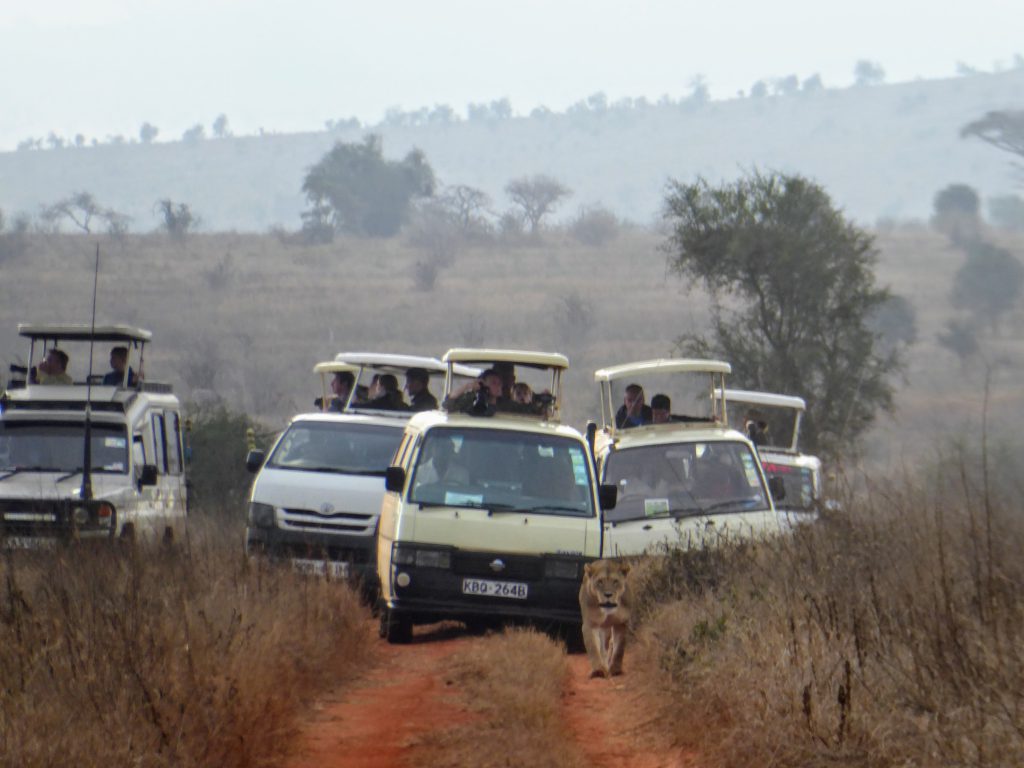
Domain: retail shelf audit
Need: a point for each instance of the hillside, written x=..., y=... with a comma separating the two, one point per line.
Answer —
x=881, y=151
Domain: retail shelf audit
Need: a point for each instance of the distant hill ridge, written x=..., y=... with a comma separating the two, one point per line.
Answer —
x=881, y=151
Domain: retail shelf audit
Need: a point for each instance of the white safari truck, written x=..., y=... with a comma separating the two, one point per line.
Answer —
x=317, y=495
x=125, y=479
x=773, y=423
x=684, y=477
x=492, y=507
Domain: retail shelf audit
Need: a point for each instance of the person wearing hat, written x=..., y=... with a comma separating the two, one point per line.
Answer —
x=417, y=384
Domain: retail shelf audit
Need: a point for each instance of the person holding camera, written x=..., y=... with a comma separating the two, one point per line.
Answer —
x=482, y=396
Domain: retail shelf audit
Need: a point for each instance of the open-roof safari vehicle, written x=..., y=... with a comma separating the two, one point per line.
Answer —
x=773, y=424
x=316, y=498
x=127, y=479
x=684, y=476
x=492, y=506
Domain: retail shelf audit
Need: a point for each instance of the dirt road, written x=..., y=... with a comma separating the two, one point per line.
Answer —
x=378, y=721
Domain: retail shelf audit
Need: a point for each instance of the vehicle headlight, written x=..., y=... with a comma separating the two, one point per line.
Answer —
x=424, y=558
x=261, y=515
x=561, y=569
x=81, y=515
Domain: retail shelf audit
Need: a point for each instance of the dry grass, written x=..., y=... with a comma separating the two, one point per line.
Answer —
x=514, y=681
x=891, y=636
x=163, y=658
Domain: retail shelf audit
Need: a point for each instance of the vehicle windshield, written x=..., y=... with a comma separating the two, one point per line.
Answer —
x=684, y=479
x=502, y=470
x=348, y=449
x=59, y=446
x=799, y=482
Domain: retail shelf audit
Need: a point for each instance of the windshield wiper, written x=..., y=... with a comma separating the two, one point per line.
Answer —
x=729, y=503
x=679, y=512
x=557, y=508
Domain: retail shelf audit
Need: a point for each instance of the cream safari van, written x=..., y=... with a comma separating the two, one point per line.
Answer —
x=492, y=506
x=684, y=476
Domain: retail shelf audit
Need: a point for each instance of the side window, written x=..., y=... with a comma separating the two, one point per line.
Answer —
x=159, y=443
x=173, y=444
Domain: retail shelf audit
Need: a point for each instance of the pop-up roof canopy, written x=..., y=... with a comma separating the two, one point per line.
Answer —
x=82, y=332
x=772, y=400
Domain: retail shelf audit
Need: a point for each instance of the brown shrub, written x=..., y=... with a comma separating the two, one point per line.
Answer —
x=163, y=658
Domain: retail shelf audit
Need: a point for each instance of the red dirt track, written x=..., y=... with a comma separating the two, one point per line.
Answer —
x=377, y=721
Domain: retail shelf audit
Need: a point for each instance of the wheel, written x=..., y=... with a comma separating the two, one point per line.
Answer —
x=397, y=630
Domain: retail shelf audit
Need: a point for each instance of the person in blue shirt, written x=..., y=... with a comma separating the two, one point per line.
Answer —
x=118, y=362
x=633, y=412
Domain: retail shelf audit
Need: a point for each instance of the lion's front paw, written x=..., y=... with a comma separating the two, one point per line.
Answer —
x=597, y=673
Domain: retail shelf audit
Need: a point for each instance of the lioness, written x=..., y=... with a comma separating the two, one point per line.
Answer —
x=605, y=602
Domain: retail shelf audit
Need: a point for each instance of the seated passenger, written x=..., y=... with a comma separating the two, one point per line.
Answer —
x=53, y=368
x=521, y=393
x=417, y=384
x=480, y=397
x=633, y=412
x=384, y=394
x=341, y=385
x=661, y=409
x=118, y=362
x=756, y=427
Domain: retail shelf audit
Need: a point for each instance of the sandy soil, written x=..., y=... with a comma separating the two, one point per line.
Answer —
x=377, y=722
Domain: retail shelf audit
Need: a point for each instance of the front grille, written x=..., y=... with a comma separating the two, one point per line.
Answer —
x=23, y=517
x=336, y=522
x=479, y=564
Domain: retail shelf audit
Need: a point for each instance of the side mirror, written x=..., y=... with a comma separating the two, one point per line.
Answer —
x=777, y=487
x=148, y=475
x=394, y=479
x=254, y=459
x=608, y=495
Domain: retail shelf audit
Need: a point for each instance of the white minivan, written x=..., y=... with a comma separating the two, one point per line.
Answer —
x=90, y=452
x=772, y=421
x=684, y=477
x=316, y=498
x=492, y=506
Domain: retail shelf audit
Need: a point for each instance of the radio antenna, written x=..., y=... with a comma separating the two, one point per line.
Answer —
x=86, y=491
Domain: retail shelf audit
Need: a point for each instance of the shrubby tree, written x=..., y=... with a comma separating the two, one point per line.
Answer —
x=956, y=212
x=178, y=219
x=868, y=73
x=13, y=238
x=793, y=290
x=194, y=134
x=362, y=193
x=467, y=206
x=81, y=209
x=218, y=481
x=759, y=90
x=220, y=127
x=148, y=132
x=894, y=322
x=787, y=86
x=813, y=84
x=988, y=284
x=536, y=196
x=1002, y=129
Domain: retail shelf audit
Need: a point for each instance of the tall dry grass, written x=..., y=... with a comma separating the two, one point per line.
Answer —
x=889, y=635
x=149, y=657
x=514, y=683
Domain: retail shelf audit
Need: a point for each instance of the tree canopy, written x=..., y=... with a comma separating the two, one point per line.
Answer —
x=794, y=297
x=537, y=196
x=988, y=284
x=354, y=189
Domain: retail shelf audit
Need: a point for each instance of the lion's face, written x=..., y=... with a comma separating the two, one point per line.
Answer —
x=607, y=581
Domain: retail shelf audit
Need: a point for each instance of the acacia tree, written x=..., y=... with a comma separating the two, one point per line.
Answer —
x=988, y=284
x=537, y=195
x=354, y=189
x=793, y=292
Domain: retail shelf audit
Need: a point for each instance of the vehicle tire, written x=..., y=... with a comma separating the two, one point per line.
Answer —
x=397, y=630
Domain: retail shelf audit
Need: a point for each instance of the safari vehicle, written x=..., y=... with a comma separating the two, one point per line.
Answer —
x=316, y=498
x=491, y=511
x=687, y=479
x=773, y=423
x=87, y=460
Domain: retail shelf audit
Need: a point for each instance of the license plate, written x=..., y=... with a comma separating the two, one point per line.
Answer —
x=486, y=588
x=331, y=568
x=28, y=542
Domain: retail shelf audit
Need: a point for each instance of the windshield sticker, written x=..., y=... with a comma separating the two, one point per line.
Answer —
x=751, y=471
x=579, y=466
x=653, y=507
x=117, y=466
x=114, y=442
x=454, y=499
x=545, y=450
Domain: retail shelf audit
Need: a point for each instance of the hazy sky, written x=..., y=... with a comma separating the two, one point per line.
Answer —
x=103, y=67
